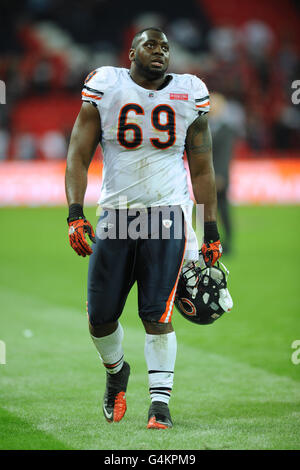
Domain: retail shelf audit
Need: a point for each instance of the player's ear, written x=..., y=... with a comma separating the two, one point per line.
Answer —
x=131, y=55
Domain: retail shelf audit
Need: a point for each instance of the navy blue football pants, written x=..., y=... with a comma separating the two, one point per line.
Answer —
x=146, y=247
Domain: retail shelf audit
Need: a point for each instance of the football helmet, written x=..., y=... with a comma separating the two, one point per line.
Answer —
x=202, y=295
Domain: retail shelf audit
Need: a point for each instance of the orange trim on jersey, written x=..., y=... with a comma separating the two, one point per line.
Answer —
x=90, y=75
x=169, y=306
x=91, y=96
x=202, y=105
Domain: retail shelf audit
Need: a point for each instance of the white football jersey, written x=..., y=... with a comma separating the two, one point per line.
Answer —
x=143, y=136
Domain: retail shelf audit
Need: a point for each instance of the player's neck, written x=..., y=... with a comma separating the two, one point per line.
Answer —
x=145, y=82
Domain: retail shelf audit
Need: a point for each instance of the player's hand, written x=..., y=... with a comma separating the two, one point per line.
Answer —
x=77, y=230
x=211, y=252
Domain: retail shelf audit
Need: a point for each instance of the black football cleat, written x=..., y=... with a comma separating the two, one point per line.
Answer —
x=159, y=416
x=114, y=402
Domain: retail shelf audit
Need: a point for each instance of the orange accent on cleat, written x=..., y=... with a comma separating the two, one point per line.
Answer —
x=153, y=424
x=120, y=406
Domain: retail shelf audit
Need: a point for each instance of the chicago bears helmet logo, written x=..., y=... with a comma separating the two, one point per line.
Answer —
x=186, y=303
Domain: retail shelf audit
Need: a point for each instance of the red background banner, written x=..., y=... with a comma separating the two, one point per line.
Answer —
x=265, y=181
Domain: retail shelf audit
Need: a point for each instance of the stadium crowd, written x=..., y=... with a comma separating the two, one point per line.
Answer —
x=51, y=45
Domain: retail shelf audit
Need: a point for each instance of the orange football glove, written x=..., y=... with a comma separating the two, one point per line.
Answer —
x=77, y=230
x=211, y=252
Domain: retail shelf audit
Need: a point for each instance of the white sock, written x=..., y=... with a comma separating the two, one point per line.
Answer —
x=110, y=350
x=160, y=354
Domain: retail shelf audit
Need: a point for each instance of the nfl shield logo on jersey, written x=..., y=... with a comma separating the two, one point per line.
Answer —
x=167, y=223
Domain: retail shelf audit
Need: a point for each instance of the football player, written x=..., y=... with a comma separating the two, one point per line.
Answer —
x=144, y=118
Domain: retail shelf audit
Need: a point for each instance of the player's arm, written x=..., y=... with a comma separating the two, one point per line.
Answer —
x=84, y=139
x=199, y=155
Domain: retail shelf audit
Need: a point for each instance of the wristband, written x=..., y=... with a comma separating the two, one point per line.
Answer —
x=75, y=212
x=211, y=233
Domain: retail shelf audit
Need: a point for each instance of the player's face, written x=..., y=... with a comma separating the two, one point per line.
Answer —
x=151, y=55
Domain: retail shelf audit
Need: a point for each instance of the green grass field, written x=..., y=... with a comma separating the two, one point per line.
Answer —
x=235, y=384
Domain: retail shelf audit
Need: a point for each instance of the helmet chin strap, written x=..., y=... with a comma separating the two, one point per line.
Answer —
x=225, y=269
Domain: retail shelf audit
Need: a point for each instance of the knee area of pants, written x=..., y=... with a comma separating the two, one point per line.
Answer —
x=159, y=328
x=99, y=330
x=93, y=323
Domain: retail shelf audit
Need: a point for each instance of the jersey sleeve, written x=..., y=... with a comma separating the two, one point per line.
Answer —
x=96, y=84
x=201, y=96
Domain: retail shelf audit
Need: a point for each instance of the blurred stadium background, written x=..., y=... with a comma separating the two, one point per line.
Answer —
x=248, y=53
